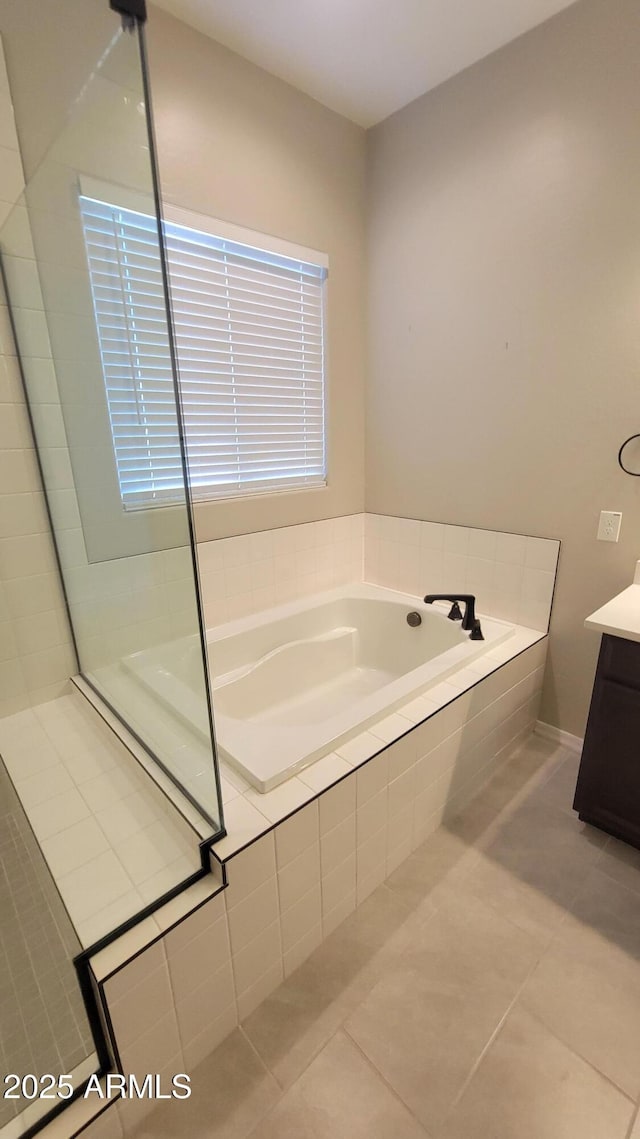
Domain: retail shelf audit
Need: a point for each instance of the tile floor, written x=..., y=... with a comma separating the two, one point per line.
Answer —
x=490, y=988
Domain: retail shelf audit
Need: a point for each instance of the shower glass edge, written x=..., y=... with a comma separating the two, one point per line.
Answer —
x=130, y=577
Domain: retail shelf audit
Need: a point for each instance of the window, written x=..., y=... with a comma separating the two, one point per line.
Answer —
x=250, y=340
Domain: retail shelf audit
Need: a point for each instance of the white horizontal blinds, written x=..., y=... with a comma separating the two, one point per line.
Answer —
x=249, y=332
x=126, y=281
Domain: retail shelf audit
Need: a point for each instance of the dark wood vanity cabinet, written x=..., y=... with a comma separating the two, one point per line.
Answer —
x=608, y=788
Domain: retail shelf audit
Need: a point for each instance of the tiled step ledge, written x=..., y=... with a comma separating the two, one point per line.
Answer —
x=114, y=843
x=182, y=805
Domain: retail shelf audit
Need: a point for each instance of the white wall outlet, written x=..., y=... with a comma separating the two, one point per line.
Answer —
x=609, y=527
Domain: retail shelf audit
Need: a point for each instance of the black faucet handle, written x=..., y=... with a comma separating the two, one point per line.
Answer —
x=469, y=606
x=455, y=612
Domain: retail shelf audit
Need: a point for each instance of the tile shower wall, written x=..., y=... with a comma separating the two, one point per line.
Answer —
x=119, y=605
x=293, y=886
x=36, y=658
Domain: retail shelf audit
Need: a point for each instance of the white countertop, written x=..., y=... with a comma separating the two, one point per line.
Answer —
x=620, y=617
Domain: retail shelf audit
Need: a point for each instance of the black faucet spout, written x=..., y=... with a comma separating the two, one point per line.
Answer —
x=468, y=621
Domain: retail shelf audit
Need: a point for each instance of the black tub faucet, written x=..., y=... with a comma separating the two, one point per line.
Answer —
x=469, y=622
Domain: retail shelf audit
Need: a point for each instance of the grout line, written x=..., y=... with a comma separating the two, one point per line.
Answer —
x=584, y=1059
x=267, y=1069
x=634, y=1119
x=174, y=1004
x=494, y=1035
x=376, y=1071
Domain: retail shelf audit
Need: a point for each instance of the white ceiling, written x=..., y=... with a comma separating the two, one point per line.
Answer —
x=364, y=58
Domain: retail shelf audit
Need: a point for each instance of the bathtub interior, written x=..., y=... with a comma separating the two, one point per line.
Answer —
x=293, y=683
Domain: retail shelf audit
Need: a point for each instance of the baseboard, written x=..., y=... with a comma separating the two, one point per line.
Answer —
x=550, y=732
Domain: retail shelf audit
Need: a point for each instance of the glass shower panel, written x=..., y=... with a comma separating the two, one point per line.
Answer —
x=127, y=561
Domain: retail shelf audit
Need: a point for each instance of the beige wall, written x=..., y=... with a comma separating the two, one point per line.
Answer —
x=505, y=306
x=238, y=144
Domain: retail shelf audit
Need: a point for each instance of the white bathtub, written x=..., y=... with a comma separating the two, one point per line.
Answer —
x=292, y=683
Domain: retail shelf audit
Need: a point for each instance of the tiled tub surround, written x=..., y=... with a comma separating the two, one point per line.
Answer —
x=304, y=679
x=293, y=683
x=303, y=875
x=512, y=575
x=252, y=572
x=444, y=710
x=113, y=841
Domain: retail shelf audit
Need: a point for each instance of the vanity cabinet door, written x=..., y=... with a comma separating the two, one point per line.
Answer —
x=608, y=788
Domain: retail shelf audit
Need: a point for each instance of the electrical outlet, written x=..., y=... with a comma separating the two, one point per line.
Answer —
x=609, y=527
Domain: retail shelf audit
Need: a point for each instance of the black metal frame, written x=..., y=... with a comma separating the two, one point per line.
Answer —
x=130, y=9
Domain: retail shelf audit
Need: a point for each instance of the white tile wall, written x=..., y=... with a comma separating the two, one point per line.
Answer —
x=174, y=1002
x=35, y=645
x=242, y=575
x=511, y=575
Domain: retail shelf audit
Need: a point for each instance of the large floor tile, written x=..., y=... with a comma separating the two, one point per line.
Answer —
x=536, y=864
x=530, y=765
x=595, y=1010
x=441, y=862
x=622, y=863
x=339, y=1097
x=529, y=1085
x=547, y=849
x=231, y=1092
x=603, y=926
x=425, y=1023
x=297, y=1020
x=559, y=787
x=505, y=892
